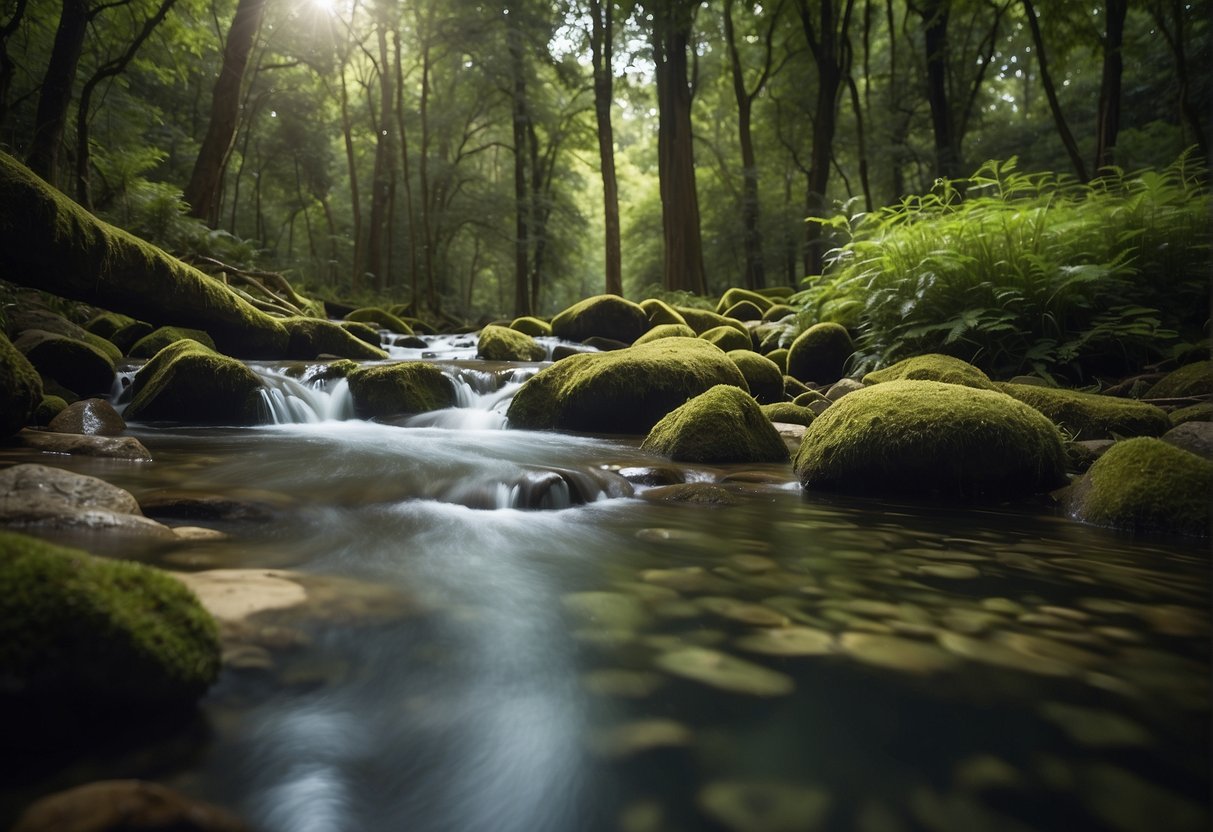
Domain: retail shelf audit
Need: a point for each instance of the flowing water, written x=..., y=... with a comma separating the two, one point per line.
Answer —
x=505, y=632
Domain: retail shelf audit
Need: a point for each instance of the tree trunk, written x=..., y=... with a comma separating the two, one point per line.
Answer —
x=601, y=53
x=56, y=93
x=1046, y=81
x=202, y=192
x=1173, y=31
x=385, y=161
x=404, y=163
x=522, y=297
x=347, y=132
x=675, y=149
x=935, y=21
x=7, y=67
x=1108, y=124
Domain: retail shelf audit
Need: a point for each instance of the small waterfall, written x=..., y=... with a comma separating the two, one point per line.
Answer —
x=483, y=398
x=288, y=401
x=534, y=490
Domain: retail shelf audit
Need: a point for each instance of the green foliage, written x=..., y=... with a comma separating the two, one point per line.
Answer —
x=1029, y=272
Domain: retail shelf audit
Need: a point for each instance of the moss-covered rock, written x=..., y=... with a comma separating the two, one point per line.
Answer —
x=105, y=324
x=604, y=316
x=47, y=410
x=402, y=388
x=933, y=367
x=1202, y=412
x=780, y=357
x=91, y=630
x=762, y=375
x=365, y=333
x=381, y=318
x=723, y=424
x=1145, y=485
x=788, y=412
x=626, y=391
x=186, y=382
x=777, y=292
x=158, y=339
x=660, y=312
x=314, y=337
x=89, y=417
x=127, y=336
x=744, y=311
x=701, y=320
x=734, y=296
x=808, y=398
x=820, y=353
x=665, y=331
x=499, y=343
x=49, y=242
x=727, y=338
x=47, y=321
x=80, y=367
x=1091, y=416
x=1190, y=380
x=927, y=437
x=777, y=312
x=532, y=326
x=20, y=388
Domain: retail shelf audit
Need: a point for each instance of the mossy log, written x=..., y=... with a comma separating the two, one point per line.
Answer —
x=50, y=243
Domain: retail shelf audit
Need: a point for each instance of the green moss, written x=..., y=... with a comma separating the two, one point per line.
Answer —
x=701, y=320
x=401, y=388
x=532, y=326
x=105, y=324
x=381, y=318
x=777, y=292
x=820, y=353
x=126, y=337
x=744, y=311
x=933, y=367
x=722, y=424
x=1190, y=380
x=1091, y=416
x=1202, y=412
x=665, y=331
x=150, y=344
x=365, y=333
x=313, y=337
x=78, y=366
x=626, y=391
x=788, y=412
x=807, y=397
x=78, y=627
x=927, y=437
x=1145, y=485
x=56, y=324
x=604, y=316
x=186, y=382
x=499, y=343
x=763, y=375
x=780, y=357
x=47, y=409
x=660, y=312
x=727, y=338
x=778, y=312
x=48, y=239
x=20, y=388
x=734, y=296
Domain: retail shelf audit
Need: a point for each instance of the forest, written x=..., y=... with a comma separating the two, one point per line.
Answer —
x=487, y=160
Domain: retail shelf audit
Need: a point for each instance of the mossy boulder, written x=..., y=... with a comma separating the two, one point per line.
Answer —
x=666, y=331
x=723, y=424
x=777, y=312
x=777, y=292
x=187, y=382
x=20, y=388
x=47, y=410
x=734, y=296
x=499, y=343
x=820, y=353
x=1091, y=416
x=126, y=337
x=933, y=367
x=380, y=318
x=532, y=326
x=365, y=333
x=780, y=357
x=105, y=324
x=1145, y=485
x=623, y=392
x=727, y=338
x=401, y=388
x=788, y=412
x=1202, y=412
x=744, y=311
x=660, y=312
x=51, y=243
x=314, y=337
x=92, y=630
x=604, y=316
x=762, y=375
x=158, y=339
x=78, y=366
x=927, y=437
x=1190, y=380
x=701, y=320
x=47, y=321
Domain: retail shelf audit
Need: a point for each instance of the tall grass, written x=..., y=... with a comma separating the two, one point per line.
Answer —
x=1027, y=272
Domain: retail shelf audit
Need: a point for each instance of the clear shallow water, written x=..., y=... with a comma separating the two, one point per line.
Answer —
x=790, y=662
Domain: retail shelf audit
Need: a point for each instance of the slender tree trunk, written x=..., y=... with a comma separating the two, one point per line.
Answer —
x=601, y=53
x=385, y=160
x=1173, y=31
x=7, y=67
x=423, y=172
x=56, y=95
x=522, y=297
x=1108, y=124
x=404, y=164
x=347, y=132
x=1046, y=81
x=202, y=192
x=935, y=20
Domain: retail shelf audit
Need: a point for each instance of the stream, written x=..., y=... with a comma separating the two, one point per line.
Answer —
x=508, y=634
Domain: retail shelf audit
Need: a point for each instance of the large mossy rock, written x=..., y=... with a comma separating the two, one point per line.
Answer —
x=734, y=296
x=1085, y=416
x=762, y=375
x=660, y=331
x=933, y=367
x=186, y=382
x=1190, y=380
x=723, y=424
x=92, y=631
x=398, y=389
x=499, y=343
x=1145, y=485
x=47, y=321
x=603, y=316
x=380, y=318
x=788, y=413
x=701, y=320
x=78, y=366
x=158, y=339
x=927, y=437
x=532, y=326
x=626, y=391
x=727, y=338
x=820, y=353
x=660, y=312
x=20, y=388
x=310, y=338
x=51, y=243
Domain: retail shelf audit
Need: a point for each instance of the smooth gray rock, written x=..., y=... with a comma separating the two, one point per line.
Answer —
x=93, y=417
x=110, y=447
x=1196, y=437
